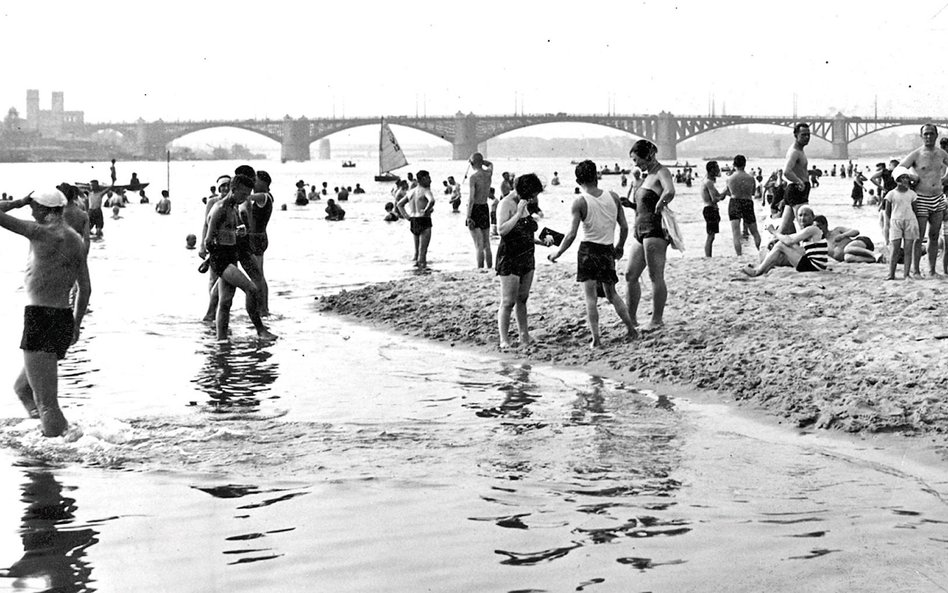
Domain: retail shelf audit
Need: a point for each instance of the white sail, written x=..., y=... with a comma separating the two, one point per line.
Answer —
x=391, y=156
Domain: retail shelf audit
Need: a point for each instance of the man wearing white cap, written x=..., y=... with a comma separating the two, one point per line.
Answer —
x=929, y=163
x=57, y=261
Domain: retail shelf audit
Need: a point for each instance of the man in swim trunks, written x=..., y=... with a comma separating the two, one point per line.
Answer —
x=223, y=183
x=478, y=210
x=795, y=171
x=221, y=245
x=930, y=164
x=741, y=186
x=255, y=214
x=420, y=203
x=57, y=261
x=96, y=196
x=598, y=212
x=710, y=196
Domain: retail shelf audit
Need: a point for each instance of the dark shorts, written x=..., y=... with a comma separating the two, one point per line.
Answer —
x=866, y=241
x=648, y=226
x=95, y=218
x=741, y=209
x=805, y=265
x=596, y=262
x=419, y=224
x=795, y=196
x=712, y=216
x=221, y=256
x=480, y=216
x=257, y=243
x=514, y=265
x=47, y=329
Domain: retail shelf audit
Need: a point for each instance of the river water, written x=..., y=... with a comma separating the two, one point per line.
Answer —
x=343, y=458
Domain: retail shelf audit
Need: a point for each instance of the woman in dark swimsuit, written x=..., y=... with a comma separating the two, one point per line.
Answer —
x=650, y=244
x=515, y=255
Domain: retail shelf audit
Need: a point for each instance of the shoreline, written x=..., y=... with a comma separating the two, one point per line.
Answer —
x=837, y=350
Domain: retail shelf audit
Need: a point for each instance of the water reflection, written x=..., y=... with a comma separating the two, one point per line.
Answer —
x=236, y=374
x=52, y=553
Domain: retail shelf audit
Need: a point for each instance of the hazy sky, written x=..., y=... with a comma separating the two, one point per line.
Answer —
x=121, y=60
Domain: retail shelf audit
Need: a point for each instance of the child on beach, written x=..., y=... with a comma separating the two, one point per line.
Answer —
x=900, y=207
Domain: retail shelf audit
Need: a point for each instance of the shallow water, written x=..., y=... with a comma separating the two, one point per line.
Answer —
x=342, y=458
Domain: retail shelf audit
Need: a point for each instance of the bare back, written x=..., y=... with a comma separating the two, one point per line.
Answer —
x=480, y=186
x=56, y=261
x=742, y=185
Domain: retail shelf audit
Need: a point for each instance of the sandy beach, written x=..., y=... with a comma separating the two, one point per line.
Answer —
x=837, y=350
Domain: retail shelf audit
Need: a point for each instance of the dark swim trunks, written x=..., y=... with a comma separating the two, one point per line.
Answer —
x=596, y=262
x=712, y=216
x=47, y=329
x=480, y=215
x=865, y=241
x=741, y=209
x=419, y=224
x=95, y=218
x=257, y=243
x=221, y=256
x=796, y=196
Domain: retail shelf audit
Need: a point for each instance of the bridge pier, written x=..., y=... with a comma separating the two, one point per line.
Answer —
x=295, y=145
x=150, y=141
x=325, y=152
x=840, y=137
x=465, y=137
x=666, y=137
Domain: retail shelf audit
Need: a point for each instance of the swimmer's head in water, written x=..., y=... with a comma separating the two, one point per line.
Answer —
x=740, y=161
x=190, y=241
x=164, y=193
x=389, y=206
x=528, y=186
x=586, y=172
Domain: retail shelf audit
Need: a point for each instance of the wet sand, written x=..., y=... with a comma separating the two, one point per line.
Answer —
x=839, y=350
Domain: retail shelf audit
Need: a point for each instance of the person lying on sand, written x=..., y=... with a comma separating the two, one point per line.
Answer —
x=806, y=250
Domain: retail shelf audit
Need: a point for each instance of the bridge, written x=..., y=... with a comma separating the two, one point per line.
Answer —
x=467, y=132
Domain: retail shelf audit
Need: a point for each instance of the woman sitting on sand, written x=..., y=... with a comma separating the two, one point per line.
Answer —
x=515, y=255
x=806, y=250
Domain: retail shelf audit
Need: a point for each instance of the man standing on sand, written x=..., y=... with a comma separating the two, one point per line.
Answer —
x=221, y=245
x=798, y=192
x=930, y=164
x=57, y=261
x=599, y=212
x=741, y=207
x=711, y=196
x=478, y=209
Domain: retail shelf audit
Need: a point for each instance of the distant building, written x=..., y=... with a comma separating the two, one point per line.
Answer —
x=55, y=123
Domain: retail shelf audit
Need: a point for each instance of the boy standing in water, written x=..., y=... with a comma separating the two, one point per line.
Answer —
x=421, y=202
x=57, y=261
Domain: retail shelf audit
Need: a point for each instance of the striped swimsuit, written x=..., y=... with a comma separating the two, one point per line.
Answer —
x=815, y=257
x=928, y=204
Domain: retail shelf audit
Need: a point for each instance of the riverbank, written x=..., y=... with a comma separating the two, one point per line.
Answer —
x=842, y=350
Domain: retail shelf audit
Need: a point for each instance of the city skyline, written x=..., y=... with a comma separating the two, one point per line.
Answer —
x=234, y=61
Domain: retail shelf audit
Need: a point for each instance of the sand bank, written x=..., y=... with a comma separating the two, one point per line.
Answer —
x=841, y=349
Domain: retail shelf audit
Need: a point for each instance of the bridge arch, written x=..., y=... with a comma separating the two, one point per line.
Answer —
x=179, y=131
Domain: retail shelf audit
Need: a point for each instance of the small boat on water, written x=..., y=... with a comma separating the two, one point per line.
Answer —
x=614, y=172
x=137, y=187
x=391, y=156
x=348, y=164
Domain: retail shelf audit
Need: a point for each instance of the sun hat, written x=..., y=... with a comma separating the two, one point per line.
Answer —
x=900, y=171
x=53, y=199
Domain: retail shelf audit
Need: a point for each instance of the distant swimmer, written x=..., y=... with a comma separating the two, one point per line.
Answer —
x=301, y=199
x=420, y=202
x=164, y=204
x=478, y=210
x=741, y=186
x=112, y=172
x=213, y=195
x=221, y=244
x=358, y=190
x=57, y=262
x=334, y=211
x=795, y=170
x=143, y=199
x=390, y=215
x=454, y=190
x=134, y=182
x=556, y=178
x=930, y=163
x=599, y=213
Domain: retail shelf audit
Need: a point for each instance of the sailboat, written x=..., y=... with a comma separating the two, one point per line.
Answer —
x=391, y=156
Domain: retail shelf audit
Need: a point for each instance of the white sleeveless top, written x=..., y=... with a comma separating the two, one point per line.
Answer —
x=600, y=224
